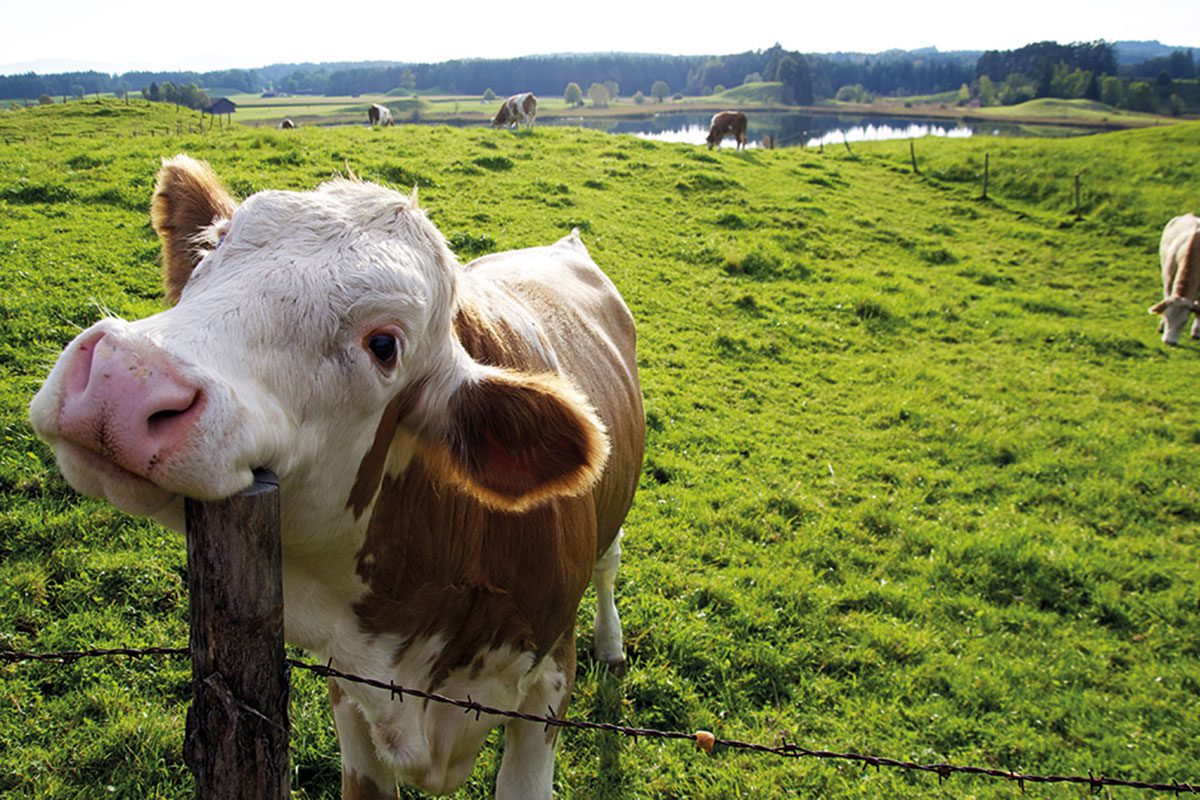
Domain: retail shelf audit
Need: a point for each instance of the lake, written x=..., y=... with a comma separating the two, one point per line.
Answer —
x=809, y=130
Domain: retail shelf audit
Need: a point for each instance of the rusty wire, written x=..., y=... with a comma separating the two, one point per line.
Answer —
x=784, y=749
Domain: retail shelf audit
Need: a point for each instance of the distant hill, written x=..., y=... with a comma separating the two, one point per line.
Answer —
x=929, y=53
x=1137, y=52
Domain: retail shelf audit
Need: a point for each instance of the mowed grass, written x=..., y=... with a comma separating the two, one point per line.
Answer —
x=920, y=480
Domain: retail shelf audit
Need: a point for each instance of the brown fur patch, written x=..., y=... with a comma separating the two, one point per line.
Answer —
x=492, y=341
x=187, y=198
x=370, y=469
x=361, y=787
x=438, y=562
x=564, y=657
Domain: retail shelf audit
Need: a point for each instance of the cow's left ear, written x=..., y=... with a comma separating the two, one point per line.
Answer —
x=188, y=198
x=516, y=440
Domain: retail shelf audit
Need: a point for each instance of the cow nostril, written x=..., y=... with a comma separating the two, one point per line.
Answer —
x=164, y=417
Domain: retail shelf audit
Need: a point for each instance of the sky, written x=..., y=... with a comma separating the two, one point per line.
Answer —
x=124, y=35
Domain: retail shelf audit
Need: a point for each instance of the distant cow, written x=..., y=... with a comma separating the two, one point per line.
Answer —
x=727, y=123
x=379, y=115
x=286, y=125
x=518, y=110
x=1180, y=254
x=457, y=448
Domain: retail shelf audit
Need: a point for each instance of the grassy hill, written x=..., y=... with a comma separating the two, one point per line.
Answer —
x=1080, y=110
x=920, y=479
x=767, y=93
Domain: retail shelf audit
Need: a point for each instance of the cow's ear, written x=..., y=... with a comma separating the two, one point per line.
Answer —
x=516, y=440
x=1158, y=307
x=188, y=198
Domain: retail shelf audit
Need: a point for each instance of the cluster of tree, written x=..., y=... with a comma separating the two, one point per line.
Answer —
x=189, y=96
x=545, y=75
x=1086, y=70
x=1179, y=65
x=1039, y=60
x=15, y=87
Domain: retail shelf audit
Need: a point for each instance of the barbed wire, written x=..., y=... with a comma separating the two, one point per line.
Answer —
x=702, y=739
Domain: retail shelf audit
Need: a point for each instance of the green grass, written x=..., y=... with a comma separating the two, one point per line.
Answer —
x=920, y=478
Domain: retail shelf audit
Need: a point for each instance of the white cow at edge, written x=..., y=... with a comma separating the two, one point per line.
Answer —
x=1180, y=255
x=456, y=447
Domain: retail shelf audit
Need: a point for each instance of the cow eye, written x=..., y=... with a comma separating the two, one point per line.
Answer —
x=383, y=347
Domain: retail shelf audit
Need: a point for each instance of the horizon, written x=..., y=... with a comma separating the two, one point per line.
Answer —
x=272, y=33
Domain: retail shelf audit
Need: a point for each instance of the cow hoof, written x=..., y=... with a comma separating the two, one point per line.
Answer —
x=617, y=666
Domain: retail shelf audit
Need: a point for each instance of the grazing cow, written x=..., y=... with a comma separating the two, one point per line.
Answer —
x=727, y=123
x=1180, y=255
x=379, y=115
x=457, y=449
x=518, y=110
x=286, y=125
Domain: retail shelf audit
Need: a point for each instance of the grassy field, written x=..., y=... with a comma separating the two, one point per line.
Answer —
x=921, y=480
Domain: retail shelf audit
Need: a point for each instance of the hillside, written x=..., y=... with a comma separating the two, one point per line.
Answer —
x=918, y=480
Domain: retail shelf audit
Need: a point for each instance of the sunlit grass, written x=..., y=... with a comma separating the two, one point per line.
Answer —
x=920, y=477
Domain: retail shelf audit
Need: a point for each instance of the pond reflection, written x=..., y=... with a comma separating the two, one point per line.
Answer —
x=808, y=130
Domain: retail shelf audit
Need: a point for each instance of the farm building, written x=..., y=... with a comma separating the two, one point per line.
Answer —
x=222, y=106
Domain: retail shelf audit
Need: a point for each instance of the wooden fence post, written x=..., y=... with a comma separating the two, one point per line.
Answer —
x=986, y=158
x=912, y=154
x=1078, y=215
x=237, y=727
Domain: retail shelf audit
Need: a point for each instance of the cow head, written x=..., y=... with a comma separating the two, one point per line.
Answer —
x=311, y=333
x=1175, y=311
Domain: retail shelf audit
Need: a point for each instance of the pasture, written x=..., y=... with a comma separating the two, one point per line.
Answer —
x=920, y=478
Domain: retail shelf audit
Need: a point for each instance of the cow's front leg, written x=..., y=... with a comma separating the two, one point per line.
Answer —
x=527, y=766
x=364, y=776
x=609, y=646
x=1196, y=328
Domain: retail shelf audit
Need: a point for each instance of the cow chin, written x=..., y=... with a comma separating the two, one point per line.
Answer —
x=96, y=476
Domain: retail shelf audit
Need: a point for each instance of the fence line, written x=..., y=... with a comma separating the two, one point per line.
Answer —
x=703, y=739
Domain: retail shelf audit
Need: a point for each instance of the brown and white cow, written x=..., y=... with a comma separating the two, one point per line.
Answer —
x=379, y=115
x=518, y=110
x=1179, y=252
x=727, y=123
x=457, y=449
x=287, y=125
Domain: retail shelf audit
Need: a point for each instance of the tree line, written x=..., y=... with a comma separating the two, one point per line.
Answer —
x=1043, y=69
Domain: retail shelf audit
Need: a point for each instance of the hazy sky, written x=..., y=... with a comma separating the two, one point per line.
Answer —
x=121, y=35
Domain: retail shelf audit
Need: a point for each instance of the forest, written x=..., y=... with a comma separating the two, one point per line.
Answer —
x=1126, y=75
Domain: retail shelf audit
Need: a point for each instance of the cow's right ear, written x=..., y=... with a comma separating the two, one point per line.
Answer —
x=1158, y=307
x=188, y=198
x=515, y=440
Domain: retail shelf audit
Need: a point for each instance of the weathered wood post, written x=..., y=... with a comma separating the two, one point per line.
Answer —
x=912, y=154
x=986, y=158
x=1078, y=215
x=237, y=728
